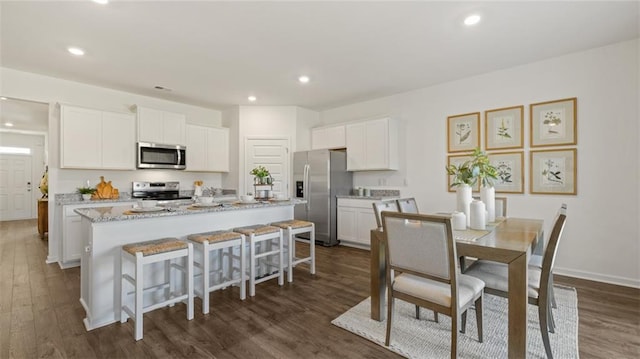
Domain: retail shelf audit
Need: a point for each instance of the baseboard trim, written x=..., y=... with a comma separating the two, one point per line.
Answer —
x=623, y=281
x=50, y=259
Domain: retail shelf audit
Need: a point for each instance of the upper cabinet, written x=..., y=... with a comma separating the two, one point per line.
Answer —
x=328, y=137
x=207, y=149
x=96, y=139
x=372, y=145
x=163, y=127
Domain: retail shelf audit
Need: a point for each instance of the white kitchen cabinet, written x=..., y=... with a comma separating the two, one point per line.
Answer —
x=207, y=148
x=372, y=145
x=94, y=139
x=328, y=137
x=355, y=221
x=163, y=127
x=71, y=244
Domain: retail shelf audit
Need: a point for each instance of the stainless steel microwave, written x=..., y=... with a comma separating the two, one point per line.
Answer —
x=153, y=155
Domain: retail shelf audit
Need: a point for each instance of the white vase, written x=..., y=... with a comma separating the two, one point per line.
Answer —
x=86, y=197
x=488, y=196
x=477, y=215
x=463, y=200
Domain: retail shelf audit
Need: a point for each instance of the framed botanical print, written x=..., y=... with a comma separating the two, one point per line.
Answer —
x=457, y=160
x=510, y=167
x=463, y=132
x=554, y=171
x=554, y=123
x=503, y=128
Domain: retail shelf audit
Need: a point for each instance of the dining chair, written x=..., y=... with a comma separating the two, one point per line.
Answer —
x=495, y=275
x=388, y=205
x=407, y=205
x=422, y=267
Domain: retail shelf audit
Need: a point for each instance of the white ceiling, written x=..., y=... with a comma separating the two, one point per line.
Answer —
x=215, y=54
x=24, y=115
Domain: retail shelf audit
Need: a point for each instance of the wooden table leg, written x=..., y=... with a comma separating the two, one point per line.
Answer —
x=378, y=276
x=518, y=300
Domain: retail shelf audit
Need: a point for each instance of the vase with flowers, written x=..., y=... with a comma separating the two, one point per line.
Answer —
x=467, y=174
x=262, y=175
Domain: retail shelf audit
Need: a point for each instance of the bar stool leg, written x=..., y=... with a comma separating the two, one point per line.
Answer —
x=139, y=295
x=189, y=281
x=291, y=243
x=205, y=278
x=281, y=259
x=252, y=266
x=312, y=249
x=243, y=273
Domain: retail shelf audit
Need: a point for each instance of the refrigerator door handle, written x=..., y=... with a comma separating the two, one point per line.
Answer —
x=305, y=185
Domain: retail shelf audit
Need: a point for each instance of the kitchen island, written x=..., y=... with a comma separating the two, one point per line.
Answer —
x=106, y=229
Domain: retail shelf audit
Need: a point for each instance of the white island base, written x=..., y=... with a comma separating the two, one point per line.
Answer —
x=107, y=230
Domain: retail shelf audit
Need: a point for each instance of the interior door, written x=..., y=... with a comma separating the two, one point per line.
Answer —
x=273, y=154
x=15, y=187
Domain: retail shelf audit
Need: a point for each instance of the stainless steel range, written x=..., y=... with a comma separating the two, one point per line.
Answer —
x=165, y=192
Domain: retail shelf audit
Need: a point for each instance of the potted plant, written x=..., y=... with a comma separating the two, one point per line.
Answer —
x=467, y=174
x=86, y=192
x=262, y=175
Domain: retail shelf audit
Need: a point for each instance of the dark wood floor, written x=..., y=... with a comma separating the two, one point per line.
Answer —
x=40, y=315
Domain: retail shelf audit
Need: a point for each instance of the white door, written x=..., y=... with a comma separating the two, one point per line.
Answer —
x=273, y=154
x=15, y=187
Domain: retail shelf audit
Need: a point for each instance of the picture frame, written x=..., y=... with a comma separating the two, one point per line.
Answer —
x=554, y=123
x=554, y=171
x=456, y=160
x=510, y=166
x=503, y=128
x=463, y=132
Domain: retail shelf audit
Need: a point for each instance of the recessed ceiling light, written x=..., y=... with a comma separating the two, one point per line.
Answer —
x=303, y=79
x=8, y=124
x=101, y=2
x=76, y=51
x=472, y=20
x=3, y=98
x=252, y=98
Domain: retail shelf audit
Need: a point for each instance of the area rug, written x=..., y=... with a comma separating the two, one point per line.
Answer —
x=425, y=338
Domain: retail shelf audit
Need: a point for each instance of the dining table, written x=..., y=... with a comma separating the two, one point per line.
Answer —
x=508, y=240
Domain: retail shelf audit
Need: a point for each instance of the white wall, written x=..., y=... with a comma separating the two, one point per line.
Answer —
x=601, y=240
x=51, y=90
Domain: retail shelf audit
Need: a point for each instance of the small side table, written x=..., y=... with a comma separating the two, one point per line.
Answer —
x=43, y=216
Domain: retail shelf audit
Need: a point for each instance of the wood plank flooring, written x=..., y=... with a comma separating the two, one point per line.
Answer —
x=41, y=317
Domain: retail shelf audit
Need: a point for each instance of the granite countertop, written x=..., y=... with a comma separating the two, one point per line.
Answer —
x=75, y=198
x=370, y=198
x=123, y=213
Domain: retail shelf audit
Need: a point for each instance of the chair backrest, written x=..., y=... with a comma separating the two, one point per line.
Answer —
x=420, y=244
x=408, y=205
x=378, y=207
x=549, y=258
x=501, y=207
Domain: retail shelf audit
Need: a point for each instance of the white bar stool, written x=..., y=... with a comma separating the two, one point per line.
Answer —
x=292, y=228
x=224, y=243
x=161, y=250
x=259, y=235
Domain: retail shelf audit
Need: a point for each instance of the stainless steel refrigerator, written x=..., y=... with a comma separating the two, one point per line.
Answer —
x=319, y=177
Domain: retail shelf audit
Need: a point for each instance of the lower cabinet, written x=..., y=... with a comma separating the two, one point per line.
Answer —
x=71, y=244
x=355, y=221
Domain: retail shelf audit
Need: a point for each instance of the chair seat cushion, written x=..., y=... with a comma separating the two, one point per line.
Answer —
x=294, y=224
x=496, y=276
x=535, y=261
x=212, y=237
x=258, y=229
x=155, y=247
x=438, y=292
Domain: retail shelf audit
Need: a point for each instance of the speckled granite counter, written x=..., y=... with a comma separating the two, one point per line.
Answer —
x=127, y=213
x=75, y=198
x=370, y=198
